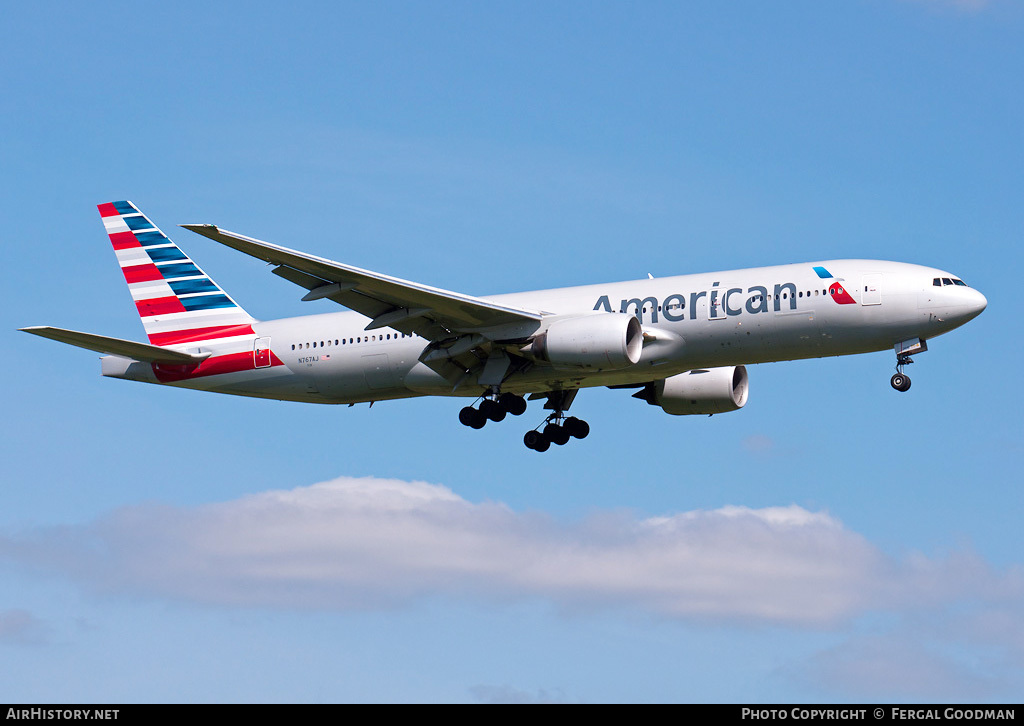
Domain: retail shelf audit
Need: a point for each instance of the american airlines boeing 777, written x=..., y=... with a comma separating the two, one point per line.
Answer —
x=681, y=342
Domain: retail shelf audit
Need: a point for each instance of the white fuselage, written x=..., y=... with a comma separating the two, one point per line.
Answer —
x=756, y=315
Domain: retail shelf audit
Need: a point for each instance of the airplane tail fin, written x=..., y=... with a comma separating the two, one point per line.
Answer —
x=177, y=301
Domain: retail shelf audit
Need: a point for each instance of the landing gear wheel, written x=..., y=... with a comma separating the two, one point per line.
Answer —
x=537, y=441
x=577, y=427
x=515, y=405
x=900, y=382
x=469, y=416
x=492, y=410
x=557, y=434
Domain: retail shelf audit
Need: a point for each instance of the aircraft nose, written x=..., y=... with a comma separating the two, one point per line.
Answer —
x=973, y=304
x=978, y=303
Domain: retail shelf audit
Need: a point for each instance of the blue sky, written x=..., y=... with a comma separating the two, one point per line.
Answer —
x=834, y=540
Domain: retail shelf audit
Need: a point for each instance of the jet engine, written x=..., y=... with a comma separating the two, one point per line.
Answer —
x=605, y=341
x=700, y=391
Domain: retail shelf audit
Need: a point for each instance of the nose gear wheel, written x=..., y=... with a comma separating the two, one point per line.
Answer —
x=900, y=380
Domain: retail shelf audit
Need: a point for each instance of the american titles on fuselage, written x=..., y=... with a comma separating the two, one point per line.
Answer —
x=723, y=303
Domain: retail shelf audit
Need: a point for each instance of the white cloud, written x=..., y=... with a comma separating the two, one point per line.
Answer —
x=362, y=543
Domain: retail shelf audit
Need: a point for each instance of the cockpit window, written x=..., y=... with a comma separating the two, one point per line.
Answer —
x=946, y=281
x=937, y=282
x=959, y=282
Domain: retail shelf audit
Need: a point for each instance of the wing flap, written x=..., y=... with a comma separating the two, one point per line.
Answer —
x=439, y=313
x=115, y=346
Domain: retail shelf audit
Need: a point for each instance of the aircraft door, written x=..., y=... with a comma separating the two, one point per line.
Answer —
x=872, y=289
x=378, y=371
x=721, y=302
x=261, y=352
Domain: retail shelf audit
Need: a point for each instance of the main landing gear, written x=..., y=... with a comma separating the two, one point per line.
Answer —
x=492, y=408
x=556, y=429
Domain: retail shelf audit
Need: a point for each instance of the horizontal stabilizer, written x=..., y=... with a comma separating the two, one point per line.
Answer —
x=115, y=346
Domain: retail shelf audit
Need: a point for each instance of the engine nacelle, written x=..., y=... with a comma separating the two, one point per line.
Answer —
x=700, y=391
x=605, y=341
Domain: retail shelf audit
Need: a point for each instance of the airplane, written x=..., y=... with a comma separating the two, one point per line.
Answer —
x=683, y=343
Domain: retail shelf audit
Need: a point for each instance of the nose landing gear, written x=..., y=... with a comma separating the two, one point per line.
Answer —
x=900, y=380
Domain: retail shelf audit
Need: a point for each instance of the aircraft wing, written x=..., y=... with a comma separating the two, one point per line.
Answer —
x=115, y=346
x=429, y=312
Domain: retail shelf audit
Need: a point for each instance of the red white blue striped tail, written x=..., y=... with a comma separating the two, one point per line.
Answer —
x=177, y=301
